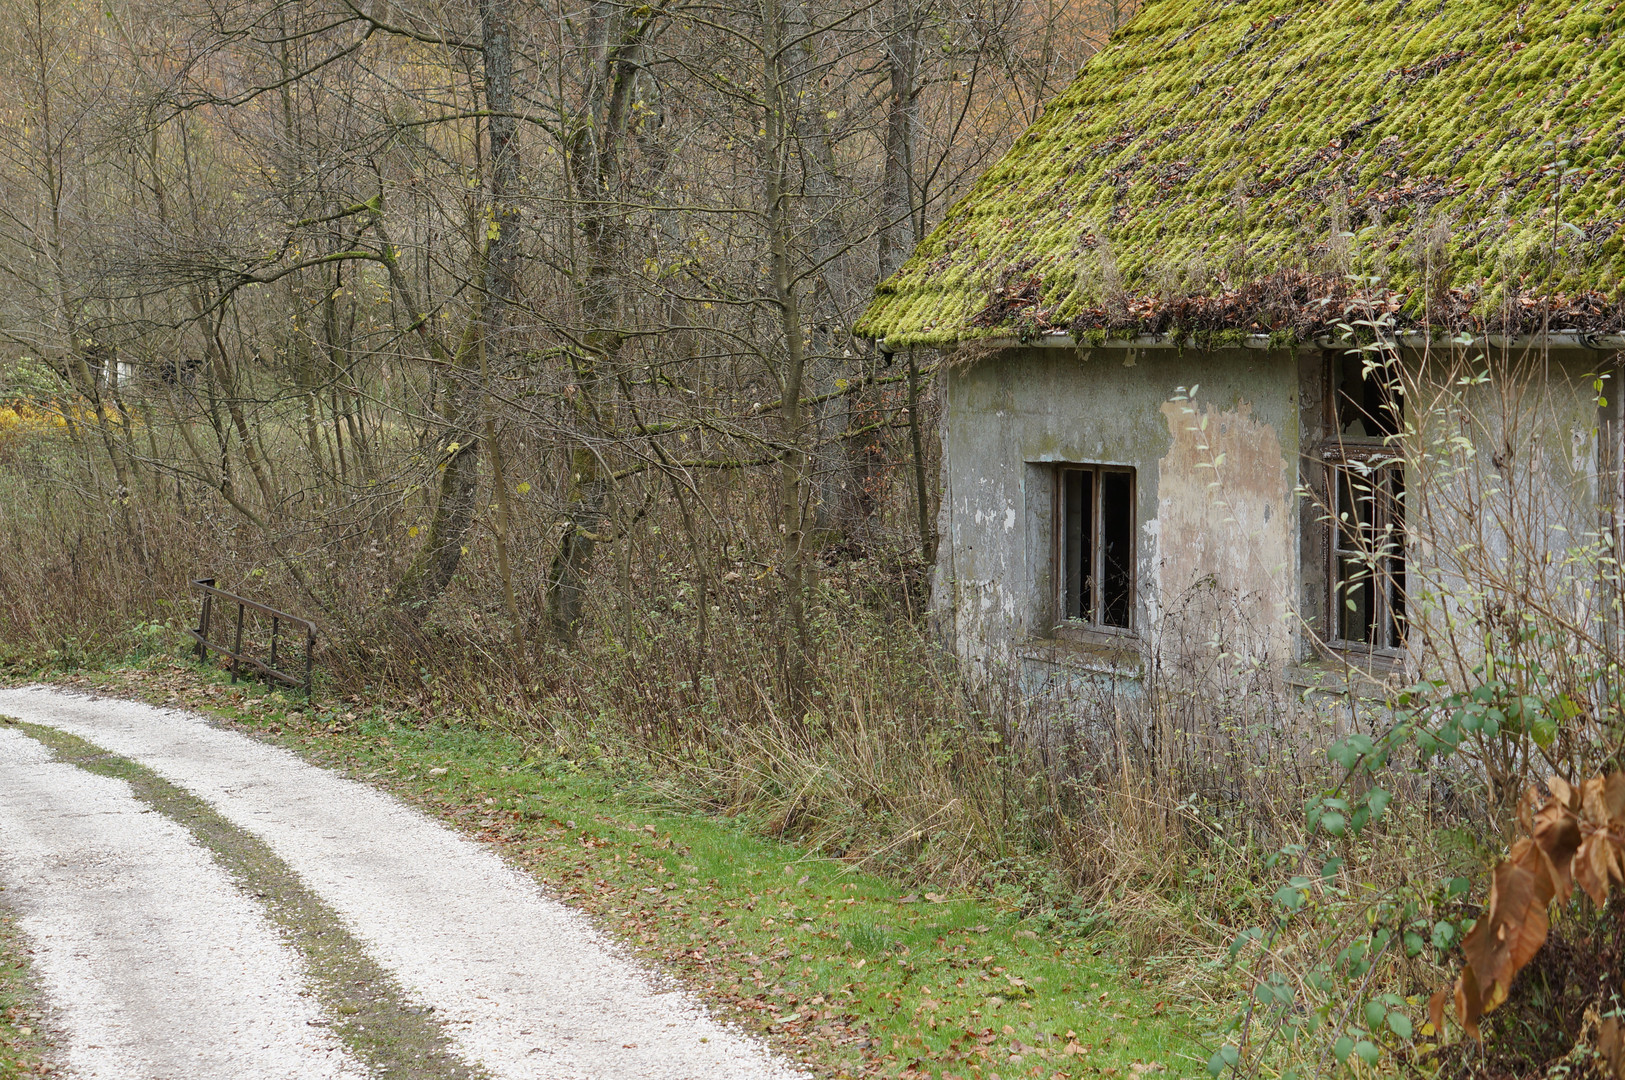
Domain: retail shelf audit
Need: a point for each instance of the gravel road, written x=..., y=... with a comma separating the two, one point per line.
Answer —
x=157, y=966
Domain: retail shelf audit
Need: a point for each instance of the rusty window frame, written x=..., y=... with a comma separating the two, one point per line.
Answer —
x=1062, y=556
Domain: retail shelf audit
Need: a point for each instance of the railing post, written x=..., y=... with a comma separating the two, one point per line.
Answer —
x=237, y=648
x=275, y=625
x=310, y=645
x=203, y=622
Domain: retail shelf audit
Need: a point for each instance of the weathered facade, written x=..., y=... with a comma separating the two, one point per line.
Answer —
x=1283, y=314
x=1014, y=421
x=1233, y=457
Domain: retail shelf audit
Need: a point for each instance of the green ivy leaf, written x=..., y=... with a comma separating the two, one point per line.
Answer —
x=1399, y=1024
x=1367, y=1051
x=1341, y=1049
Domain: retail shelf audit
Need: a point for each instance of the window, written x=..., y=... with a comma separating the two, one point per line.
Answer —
x=1095, y=548
x=1366, y=493
x=1368, y=553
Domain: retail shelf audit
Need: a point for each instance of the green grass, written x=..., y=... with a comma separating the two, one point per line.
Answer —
x=841, y=968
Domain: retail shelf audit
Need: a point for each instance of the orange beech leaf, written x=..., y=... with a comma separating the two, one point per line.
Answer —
x=1611, y=1046
x=1516, y=923
x=1436, y=1005
x=1613, y=797
x=1556, y=831
x=1469, y=1006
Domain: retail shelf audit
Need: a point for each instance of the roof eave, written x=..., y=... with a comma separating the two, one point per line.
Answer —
x=1265, y=342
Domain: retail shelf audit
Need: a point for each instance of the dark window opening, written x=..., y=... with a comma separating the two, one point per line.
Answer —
x=1096, y=549
x=1368, y=554
x=1369, y=399
x=1366, y=496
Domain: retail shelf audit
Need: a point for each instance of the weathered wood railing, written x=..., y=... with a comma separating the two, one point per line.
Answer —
x=240, y=659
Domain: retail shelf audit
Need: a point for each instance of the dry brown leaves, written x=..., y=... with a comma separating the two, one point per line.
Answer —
x=1576, y=836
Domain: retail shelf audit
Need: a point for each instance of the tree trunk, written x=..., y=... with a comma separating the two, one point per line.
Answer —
x=594, y=155
x=445, y=544
x=777, y=148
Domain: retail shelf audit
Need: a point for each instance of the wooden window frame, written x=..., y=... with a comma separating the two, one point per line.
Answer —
x=1065, y=624
x=1365, y=462
x=1338, y=453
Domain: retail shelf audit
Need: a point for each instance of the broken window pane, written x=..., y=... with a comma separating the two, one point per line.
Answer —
x=1370, y=401
x=1117, y=547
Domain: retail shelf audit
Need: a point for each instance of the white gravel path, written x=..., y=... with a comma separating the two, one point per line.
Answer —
x=527, y=987
x=156, y=966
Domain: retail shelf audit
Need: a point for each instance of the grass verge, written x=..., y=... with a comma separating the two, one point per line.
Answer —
x=843, y=970
x=25, y=1048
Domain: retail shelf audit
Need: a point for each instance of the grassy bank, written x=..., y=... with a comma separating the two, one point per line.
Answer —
x=851, y=972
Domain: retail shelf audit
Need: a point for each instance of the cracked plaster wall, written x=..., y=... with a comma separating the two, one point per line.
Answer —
x=1216, y=524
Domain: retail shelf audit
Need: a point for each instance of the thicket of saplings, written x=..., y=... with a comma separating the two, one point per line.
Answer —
x=1315, y=858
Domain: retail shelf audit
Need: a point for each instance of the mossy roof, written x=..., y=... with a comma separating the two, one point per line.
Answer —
x=1252, y=164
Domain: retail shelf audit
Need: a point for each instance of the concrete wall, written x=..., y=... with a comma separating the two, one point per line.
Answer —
x=1512, y=514
x=1217, y=529
x=1227, y=547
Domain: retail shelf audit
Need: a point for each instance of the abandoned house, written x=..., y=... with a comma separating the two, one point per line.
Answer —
x=1179, y=322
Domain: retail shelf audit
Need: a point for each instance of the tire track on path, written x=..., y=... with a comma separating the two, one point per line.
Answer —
x=526, y=987
x=156, y=965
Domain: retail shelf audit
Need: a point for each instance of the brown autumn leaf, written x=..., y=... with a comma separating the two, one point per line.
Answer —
x=1613, y=797
x=1511, y=931
x=1556, y=832
x=1611, y=1046
x=1469, y=1005
x=1576, y=836
x=1592, y=867
x=1436, y=1005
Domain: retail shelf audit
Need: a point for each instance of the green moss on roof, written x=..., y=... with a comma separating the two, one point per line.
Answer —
x=1247, y=163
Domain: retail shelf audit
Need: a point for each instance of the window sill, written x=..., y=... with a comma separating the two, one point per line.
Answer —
x=1113, y=637
x=1118, y=655
x=1368, y=674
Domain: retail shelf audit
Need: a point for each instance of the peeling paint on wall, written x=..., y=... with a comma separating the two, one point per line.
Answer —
x=1226, y=529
